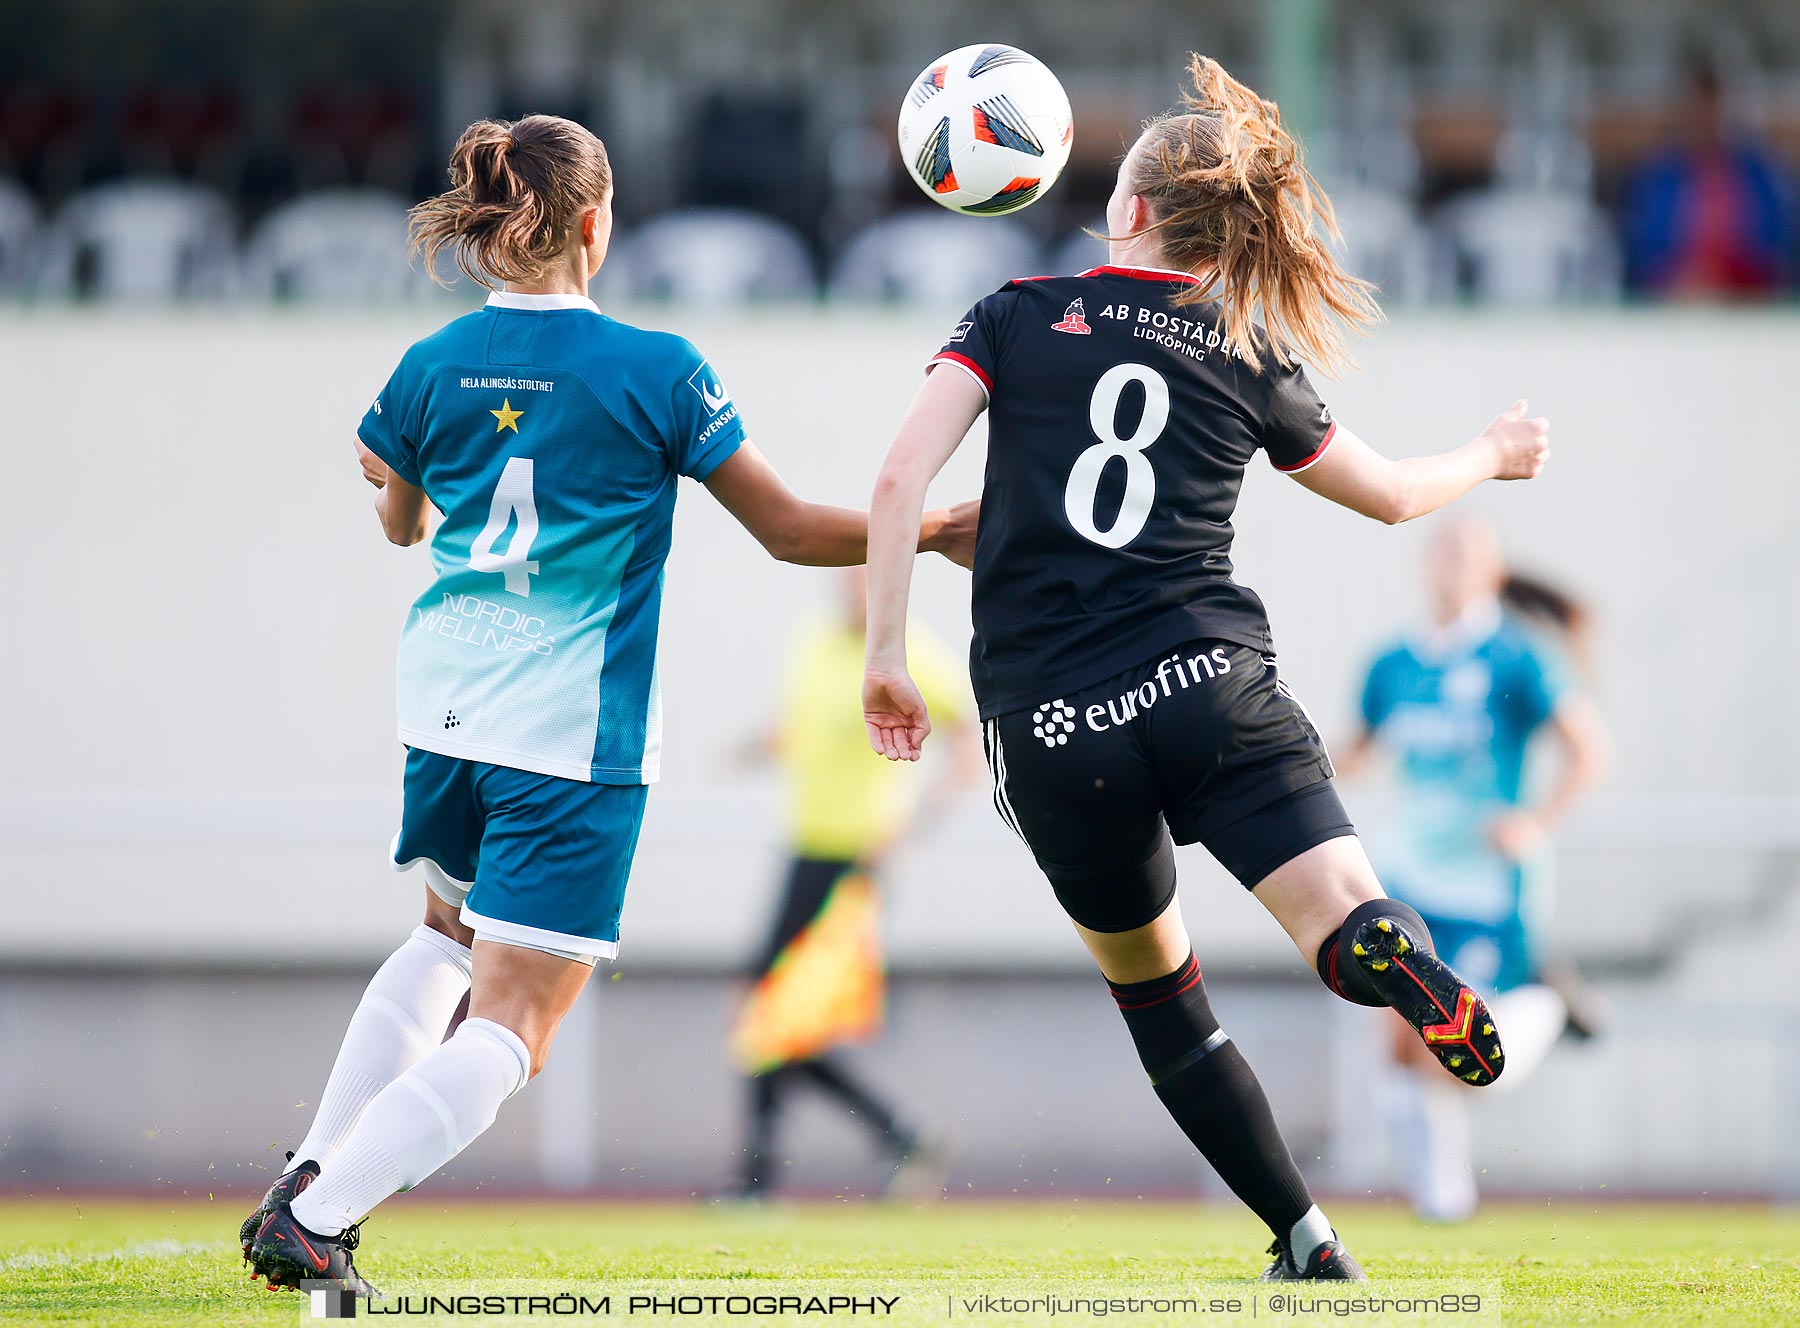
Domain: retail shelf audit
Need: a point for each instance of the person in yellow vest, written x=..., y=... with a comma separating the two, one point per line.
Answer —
x=818, y=980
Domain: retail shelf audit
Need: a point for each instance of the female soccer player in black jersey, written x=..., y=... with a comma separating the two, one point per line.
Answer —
x=1126, y=682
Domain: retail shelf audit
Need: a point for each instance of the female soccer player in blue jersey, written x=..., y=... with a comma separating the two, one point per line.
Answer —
x=1128, y=683
x=1458, y=704
x=551, y=438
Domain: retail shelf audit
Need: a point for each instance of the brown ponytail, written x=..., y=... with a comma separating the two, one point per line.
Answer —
x=1226, y=185
x=1552, y=607
x=517, y=192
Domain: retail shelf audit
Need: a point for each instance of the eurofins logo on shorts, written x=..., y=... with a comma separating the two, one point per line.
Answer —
x=1202, y=668
x=1054, y=722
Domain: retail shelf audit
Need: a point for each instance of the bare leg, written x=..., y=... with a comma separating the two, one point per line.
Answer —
x=1146, y=952
x=1311, y=895
x=526, y=991
x=447, y=918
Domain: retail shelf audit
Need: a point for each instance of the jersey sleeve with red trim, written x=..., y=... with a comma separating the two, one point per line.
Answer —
x=974, y=343
x=1298, y=427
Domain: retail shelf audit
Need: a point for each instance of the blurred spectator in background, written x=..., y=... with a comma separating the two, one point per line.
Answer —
x=184, y=129
x=1458, y=705
x=45, y=140
x=819, y=982
x=1712, y=214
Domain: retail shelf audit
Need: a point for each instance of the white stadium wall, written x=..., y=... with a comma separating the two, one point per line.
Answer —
x=196, y=730
x=203, y=613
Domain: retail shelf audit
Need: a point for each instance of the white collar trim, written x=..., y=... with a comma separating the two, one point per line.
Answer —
x=518, y=300
x=1474, y=625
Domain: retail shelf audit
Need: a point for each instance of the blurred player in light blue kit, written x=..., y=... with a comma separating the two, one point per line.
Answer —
x=552, y=439
x=1458, y=705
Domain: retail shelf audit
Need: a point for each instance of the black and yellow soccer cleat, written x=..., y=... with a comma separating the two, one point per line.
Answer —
x=1456, y=1024
x=287, y=1254
x=286, y=1189
x=1330, y=1262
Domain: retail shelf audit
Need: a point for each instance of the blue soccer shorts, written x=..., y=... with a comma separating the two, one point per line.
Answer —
x=1494, y=956
x=532, y=860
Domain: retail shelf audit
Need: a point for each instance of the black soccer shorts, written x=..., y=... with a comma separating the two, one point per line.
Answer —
x=1204, y=743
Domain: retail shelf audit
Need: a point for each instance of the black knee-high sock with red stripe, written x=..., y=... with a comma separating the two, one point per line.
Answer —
x=1211, y=1091
x=1337, y=964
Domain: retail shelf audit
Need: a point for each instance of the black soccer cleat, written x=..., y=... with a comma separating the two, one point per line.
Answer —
x=286, y=1189
x=1586, y=1017
x=287, y=1254
x=1331, y=1262
x=920, y=1167
x=1456, y=1024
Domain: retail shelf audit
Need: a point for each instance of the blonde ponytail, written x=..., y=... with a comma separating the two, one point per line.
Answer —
x=516, y=193
x=1229, y=193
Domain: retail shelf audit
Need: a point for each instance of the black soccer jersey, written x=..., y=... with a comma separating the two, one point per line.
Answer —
x=1119, y=426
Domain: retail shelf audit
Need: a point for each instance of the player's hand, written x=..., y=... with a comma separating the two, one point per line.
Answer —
x=894, y=714
x=374, y=469
x=954, y=532
x=1519, y=835
x=1521, y=446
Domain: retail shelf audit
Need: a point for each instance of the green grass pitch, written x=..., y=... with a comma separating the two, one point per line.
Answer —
x=1562, y=1262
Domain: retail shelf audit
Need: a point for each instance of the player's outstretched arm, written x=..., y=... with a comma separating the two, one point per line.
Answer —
x=1586, y=759
x=940, y=416
x=1354, y=475
x=817, y=534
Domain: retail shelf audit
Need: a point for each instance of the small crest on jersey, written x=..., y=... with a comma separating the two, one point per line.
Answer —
x=712, y=391
x=1324, y=414
x=1074, y=321
x=962, y=330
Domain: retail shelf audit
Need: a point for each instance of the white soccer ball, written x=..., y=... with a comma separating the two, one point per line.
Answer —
x=985, y=130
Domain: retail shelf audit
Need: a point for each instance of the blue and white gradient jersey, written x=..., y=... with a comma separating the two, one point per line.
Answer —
x=551, y=438
x=1458, y=710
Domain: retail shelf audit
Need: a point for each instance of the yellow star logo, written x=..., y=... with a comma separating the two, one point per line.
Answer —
x=508, y=417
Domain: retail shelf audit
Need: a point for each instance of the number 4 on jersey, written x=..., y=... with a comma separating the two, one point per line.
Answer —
x=512, y=495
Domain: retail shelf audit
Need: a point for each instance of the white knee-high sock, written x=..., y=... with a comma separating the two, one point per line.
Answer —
x=1443, y=1188
x=417, y=1123
x=1531, y=1019
x=404, y=1012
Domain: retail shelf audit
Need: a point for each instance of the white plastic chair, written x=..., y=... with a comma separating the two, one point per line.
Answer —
x=715, y=256
x=142, y=240
x=936, y=259
x=1547, y=159
x=1531, y=246
x=1381, y=157
x=1383, y=242
x=339, y=244
x=18, y=236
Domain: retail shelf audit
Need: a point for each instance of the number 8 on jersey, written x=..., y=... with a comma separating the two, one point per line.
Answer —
x=1083, y=490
